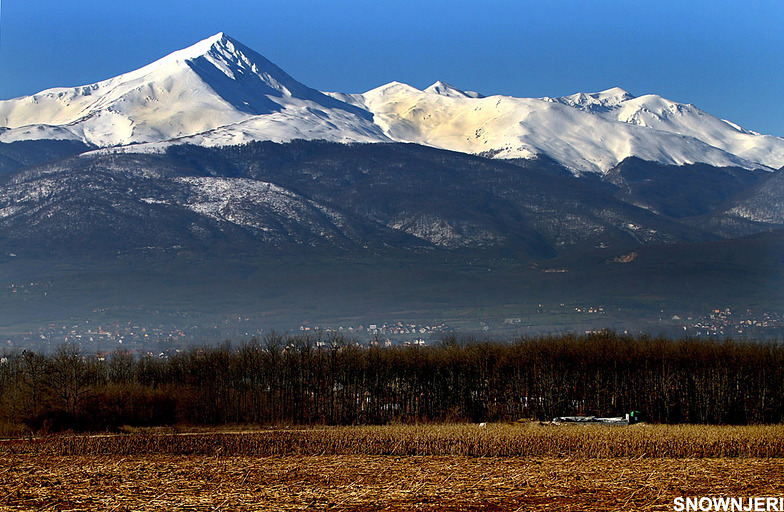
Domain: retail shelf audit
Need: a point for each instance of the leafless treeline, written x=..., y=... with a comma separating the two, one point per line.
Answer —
x=329, y=380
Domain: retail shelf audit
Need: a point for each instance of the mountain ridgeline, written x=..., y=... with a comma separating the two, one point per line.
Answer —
x=219, y=92
x=213, y=181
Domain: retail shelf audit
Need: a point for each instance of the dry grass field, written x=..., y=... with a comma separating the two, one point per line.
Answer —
x=453, y=467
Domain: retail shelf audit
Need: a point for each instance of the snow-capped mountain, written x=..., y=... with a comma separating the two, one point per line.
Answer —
x=217, y=87
x=218, y=92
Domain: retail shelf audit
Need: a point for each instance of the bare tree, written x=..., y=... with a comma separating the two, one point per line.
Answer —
x=69, y=378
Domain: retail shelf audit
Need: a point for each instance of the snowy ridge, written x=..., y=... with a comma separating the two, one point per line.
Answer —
x=510, y=127
x=220, y=92
x=653, y=111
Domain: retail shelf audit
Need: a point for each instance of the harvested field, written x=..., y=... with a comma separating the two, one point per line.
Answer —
x=446, y=467
x=500, y=440
x=358, y=483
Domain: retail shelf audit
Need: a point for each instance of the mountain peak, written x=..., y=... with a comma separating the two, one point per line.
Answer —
x=595, y=102
x=220, y=36
x=219, y=41
x=246, y=79
x=215, y=83
x=236, y=61
x=393, y=88
x=444, y=89
x=607, y=98
x=615, y=93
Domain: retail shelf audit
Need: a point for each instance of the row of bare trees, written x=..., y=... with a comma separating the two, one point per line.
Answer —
x=330, y=380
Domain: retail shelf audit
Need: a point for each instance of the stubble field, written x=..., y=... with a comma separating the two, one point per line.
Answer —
x=398, y=468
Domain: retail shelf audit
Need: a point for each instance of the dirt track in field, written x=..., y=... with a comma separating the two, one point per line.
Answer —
x=360, y=483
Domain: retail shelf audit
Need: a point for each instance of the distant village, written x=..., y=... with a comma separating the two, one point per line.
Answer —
x=725, y=323
x=100, y=336
x=102, y=332
x=387, y=335
x=717, y=323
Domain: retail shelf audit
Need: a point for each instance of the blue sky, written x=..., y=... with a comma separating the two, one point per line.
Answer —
x=726, y=57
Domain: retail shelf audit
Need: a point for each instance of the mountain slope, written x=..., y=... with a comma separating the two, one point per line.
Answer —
x=680, y=191
x=24, y=153
x=96, y=206
x=267, y=197
x=757, y=209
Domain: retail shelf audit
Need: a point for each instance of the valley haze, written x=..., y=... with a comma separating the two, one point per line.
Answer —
x=211, y=193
